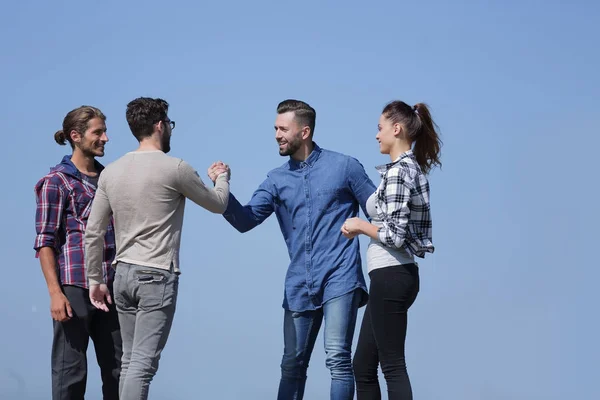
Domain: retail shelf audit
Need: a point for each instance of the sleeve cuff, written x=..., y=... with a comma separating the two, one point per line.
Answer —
x=95, y=281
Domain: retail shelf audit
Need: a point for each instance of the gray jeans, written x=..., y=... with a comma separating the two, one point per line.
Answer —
x=145, y=299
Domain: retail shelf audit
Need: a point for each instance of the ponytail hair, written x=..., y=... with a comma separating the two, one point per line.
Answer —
x=420, y=129
x=77, y=120
x=60, y=138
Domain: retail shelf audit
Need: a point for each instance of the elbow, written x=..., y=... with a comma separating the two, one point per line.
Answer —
x=242, y=229
x=43, y=240
x=390, y=239
x=219, y=208
x=239, y=226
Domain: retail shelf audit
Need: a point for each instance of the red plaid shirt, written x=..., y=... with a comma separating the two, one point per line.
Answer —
x=64, y=200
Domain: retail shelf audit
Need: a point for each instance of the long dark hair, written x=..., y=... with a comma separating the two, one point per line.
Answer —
x=420, y=128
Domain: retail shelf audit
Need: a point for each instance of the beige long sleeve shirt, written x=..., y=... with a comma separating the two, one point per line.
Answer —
x=145, y=192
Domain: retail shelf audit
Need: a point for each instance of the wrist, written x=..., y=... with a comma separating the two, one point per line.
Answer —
x=362, y=227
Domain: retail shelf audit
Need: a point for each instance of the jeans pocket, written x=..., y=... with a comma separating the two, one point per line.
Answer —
x=150, y=288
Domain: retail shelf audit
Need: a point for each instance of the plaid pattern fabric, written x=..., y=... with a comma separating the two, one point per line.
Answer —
x=403, y=206
x=64, y=201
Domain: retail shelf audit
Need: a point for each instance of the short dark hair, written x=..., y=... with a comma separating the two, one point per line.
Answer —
x=77, y=120
x=304, y=113
x=142, y=113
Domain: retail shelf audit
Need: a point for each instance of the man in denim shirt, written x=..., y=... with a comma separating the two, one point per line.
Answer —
x=312, y=194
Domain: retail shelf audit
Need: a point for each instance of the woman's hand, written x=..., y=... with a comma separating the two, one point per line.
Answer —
x=352, y=227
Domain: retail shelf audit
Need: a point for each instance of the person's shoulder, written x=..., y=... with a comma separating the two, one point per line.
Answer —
x=53, y=178
x=404, y=171
x=333, y=154
x=338, y=156
x=57, y=176
x=352, y=163
x=115, y=165
x=283, y=167
x=409, y=167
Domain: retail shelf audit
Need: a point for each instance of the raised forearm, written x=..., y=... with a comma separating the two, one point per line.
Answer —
x=191, y=186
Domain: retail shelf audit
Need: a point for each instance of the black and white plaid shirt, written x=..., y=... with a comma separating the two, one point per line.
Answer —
x=403, y=206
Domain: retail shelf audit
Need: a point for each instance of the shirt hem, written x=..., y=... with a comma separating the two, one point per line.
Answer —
x=145, y=264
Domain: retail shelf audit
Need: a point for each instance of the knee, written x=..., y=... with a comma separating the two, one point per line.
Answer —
x=293, y=367
x=142, y=368
x=393, y=367
x=339, y=363
x=360, y=369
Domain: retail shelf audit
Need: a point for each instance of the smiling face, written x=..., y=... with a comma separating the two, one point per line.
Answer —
x=91, y=143
x=288, y=133
x=387, y=134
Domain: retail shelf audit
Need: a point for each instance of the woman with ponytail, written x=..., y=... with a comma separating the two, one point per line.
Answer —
x=400, y=229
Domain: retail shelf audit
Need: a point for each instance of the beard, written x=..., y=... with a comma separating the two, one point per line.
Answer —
x=291, y=147
x=165, y=143
x=92, y=149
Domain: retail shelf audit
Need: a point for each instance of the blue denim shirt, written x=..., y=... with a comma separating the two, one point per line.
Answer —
x=311, y=200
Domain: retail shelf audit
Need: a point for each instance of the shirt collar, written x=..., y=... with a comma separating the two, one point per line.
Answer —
x=67, y=166
x=310, y=161
x=386, y=167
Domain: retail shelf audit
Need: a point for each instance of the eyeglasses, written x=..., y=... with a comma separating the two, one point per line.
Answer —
x=172, y=123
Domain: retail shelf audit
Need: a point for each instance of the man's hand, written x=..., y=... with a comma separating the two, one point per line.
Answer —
x=60, y=308
x=217, y=169
x=352, y=227
x=100, y=296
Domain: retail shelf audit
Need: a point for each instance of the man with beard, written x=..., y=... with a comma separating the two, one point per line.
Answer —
x=145, y=192
x=64, y=197
x=312, y=194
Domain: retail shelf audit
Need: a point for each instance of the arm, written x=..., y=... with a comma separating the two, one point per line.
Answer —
x=393, y=231
x=260, y=207
x=356, y=226
x=191, y=186
x=94, y=247
x=94, y=235
x=361, y=185
x=49, y=213
x=397, y=190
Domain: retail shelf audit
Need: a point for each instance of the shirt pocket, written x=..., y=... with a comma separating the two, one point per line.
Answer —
x=83, y=206
x=328, y=200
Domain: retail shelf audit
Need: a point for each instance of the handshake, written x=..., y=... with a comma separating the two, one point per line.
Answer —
x=217, y=169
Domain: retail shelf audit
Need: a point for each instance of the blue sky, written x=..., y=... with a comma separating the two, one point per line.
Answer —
x=508, y=304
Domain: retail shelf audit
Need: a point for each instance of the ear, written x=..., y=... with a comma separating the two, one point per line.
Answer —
x=75, y=136
x=397, y=130
x=306, y=132
x=160, y=126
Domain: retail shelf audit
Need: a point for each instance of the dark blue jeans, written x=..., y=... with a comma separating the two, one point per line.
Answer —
x=300, y=331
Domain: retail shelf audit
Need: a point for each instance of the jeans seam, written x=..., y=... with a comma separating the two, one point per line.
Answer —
x=308, y=338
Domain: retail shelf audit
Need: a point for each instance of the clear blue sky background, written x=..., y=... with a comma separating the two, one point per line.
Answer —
x=508, y=307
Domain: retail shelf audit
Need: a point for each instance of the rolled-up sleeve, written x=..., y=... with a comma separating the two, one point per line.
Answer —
x=50, y=202
x=393, y=231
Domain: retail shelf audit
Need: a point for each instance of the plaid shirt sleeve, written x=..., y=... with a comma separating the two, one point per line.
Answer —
x=396, y=197
x=50, y=201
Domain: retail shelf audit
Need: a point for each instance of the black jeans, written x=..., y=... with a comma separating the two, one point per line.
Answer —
x=383, y=332
x=70, y=343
